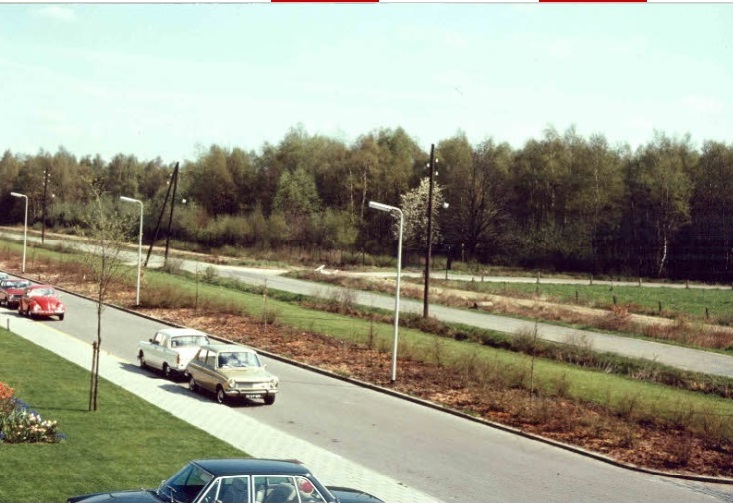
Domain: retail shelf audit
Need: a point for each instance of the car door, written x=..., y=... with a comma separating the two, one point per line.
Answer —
x=208, y=371
x=23, y=304
x=197, y=369
x=157, y=346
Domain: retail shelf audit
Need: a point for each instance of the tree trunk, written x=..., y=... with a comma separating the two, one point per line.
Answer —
x=663, y=259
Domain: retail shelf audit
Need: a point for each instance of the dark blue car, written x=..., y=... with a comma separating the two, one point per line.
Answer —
x=243, y=480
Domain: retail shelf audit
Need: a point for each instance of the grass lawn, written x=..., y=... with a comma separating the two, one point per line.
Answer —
x=127, y=444
x=691, y=302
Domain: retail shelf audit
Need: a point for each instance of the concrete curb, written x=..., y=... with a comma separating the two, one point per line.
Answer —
x=426, y=403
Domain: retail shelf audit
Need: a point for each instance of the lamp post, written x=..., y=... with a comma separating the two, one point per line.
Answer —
x=46, y=176
x=25, y=225
x=139, y=246
x=392, y=209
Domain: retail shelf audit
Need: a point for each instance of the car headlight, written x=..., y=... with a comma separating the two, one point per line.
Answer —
x=36, y=307
x=232, y=383
x=274, y=382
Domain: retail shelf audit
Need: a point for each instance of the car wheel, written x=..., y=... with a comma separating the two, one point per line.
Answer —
x=141, y=357
x=221, y=397
x=61, y=317
x=269, y=399
x=192, y=385
x=167, y=371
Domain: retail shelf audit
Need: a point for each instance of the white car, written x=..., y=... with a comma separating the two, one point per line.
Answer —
x=171, y=349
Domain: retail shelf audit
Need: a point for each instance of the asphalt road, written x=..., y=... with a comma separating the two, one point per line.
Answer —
x=446, y=457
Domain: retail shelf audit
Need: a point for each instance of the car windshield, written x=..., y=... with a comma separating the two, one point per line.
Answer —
x=186, y=485
x=239, y=359
x=42, y=292
x=189, y=340
x=15, y=283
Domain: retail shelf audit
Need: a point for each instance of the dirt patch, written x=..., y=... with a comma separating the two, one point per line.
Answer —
x=588, y=426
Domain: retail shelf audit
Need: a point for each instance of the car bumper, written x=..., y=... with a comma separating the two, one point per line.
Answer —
x=42, y=312
x=250, y=392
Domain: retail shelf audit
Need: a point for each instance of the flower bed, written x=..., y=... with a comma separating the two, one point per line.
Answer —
x=20, y=424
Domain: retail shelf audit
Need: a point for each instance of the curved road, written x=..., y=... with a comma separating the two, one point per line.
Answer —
x=445, y=457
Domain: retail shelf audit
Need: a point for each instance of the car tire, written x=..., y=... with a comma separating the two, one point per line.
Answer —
x=61, y=317
x=192, y=385
x=141, y=357
x=269, y=399
x=221, y=397
x=167, y=372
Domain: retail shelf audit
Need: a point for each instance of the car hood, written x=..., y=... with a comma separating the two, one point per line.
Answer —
x=349, y=495
x=142, y=496
x=47, y=302
x=252, y=374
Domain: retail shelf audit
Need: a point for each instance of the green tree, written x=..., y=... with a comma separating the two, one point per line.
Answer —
x=122, y=176
x=476, y=188
x=660, y=189
x=211, y=184
x=10, y=166
x=712, y=211
x=297, y=199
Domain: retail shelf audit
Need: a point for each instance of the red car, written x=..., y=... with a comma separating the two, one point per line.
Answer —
x=41, y=300
x=11, y=290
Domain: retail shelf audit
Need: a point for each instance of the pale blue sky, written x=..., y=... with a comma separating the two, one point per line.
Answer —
x=167, y=79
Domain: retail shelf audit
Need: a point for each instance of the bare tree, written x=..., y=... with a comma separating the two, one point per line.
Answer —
x=105, y=231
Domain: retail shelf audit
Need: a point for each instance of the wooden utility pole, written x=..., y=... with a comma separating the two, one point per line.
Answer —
x=172, y=185
x=429, y=237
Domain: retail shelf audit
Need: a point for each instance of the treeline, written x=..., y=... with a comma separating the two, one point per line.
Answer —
x=562, y=202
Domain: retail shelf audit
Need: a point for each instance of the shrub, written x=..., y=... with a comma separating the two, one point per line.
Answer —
x=209, y=274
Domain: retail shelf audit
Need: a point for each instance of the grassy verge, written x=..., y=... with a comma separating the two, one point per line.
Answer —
x=709, y=304
x=128, y=443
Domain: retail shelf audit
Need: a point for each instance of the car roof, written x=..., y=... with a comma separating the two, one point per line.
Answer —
x=180, y=331
x=251, y=466
x=227, y=347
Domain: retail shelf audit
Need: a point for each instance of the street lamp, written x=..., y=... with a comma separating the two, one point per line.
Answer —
x=139, y=246
x=46, y=176
x=390, y=209
x=25, y=226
